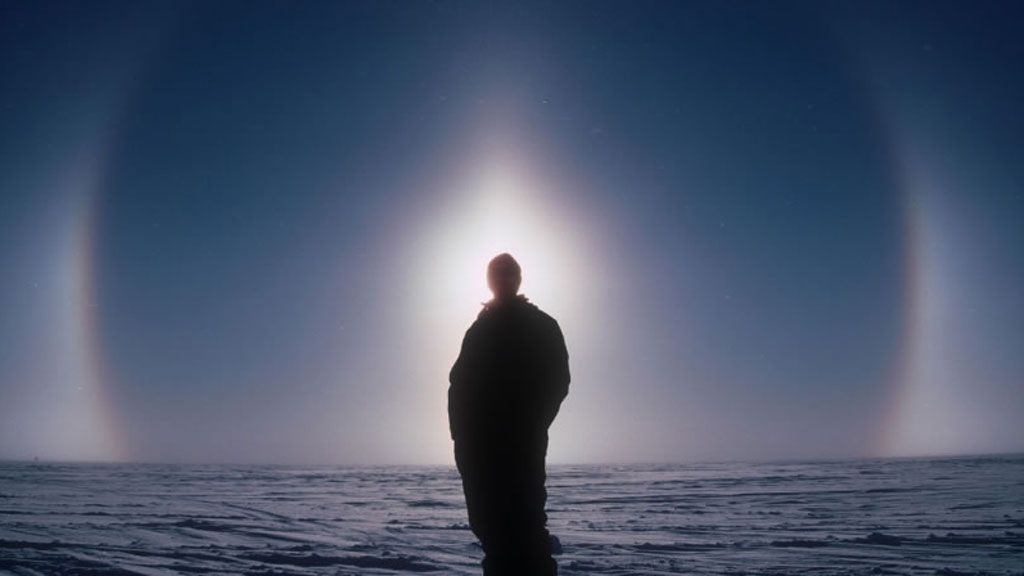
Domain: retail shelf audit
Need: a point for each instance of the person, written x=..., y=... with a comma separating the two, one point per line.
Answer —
x=506, y=388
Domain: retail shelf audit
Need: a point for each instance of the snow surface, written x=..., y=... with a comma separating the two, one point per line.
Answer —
x=945, y=517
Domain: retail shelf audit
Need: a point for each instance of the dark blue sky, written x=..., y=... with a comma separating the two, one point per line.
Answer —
x=256, y=231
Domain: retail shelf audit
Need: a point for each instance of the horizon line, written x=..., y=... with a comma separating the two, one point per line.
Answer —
x=790, y=460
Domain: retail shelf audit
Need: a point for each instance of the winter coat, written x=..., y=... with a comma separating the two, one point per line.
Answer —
x=510, y=378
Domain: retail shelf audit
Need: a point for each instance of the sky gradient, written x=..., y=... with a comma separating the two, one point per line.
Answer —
x=256, y=232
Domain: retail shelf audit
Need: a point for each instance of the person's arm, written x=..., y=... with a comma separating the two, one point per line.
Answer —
x=458, y=385
x=557, y=371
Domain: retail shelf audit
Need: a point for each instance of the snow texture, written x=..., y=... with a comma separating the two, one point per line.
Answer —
x=955, y=516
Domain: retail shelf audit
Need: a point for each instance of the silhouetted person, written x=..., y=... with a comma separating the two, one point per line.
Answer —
x=506, y=388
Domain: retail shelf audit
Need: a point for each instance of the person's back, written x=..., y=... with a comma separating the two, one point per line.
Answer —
x=506, y=388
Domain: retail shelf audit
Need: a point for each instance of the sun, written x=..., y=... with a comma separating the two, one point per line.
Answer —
x=502, y=214
x=499, y=208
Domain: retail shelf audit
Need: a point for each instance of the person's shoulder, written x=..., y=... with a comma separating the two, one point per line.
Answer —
x=484, y=319
x=477, y=324
x=484, y=315
x=543, y=317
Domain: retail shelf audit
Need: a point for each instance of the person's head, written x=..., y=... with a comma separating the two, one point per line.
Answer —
x=504, y=276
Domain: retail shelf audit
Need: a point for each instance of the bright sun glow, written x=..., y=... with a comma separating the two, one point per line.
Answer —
x=496, y=210
x=500, y=213
x=500, y=221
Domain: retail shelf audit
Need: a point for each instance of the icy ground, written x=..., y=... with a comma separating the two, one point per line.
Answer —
x=942, y=517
